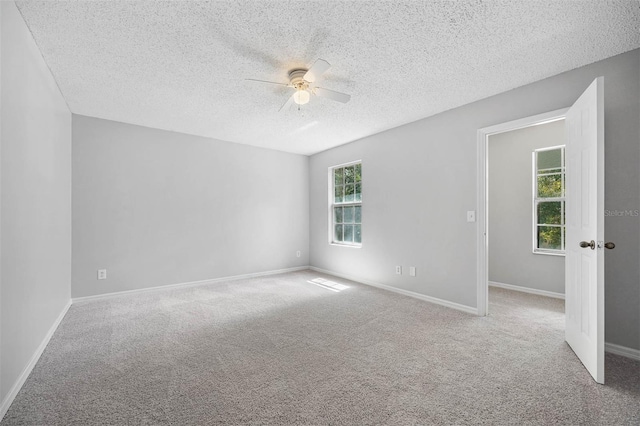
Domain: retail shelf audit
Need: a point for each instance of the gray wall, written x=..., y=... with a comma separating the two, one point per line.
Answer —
x=35, y=195
x=420, y=179
x=155, y=207
x=511, y=257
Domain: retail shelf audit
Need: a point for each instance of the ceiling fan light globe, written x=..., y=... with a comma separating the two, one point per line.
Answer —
x=301, y=97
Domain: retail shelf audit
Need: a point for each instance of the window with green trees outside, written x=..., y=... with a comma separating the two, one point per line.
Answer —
x=549, y=200
x=346, y=205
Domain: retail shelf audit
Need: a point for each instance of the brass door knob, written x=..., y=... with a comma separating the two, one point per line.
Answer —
x=585, y=244
x=610, y=246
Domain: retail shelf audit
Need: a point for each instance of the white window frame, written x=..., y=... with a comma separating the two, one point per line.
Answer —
x=537, y=200
x=333, y=204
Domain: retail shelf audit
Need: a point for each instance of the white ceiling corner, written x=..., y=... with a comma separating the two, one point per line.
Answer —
x=181, y=65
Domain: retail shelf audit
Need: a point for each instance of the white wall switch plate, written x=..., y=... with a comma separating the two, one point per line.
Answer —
x=298, y=253
x=471, y=216
x=102, y=274
x=412, y=271
x=399, y=270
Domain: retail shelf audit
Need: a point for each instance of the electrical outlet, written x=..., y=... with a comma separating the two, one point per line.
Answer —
x=298, y=253
x=399, y=270
x=102, y=274
x=412, y=271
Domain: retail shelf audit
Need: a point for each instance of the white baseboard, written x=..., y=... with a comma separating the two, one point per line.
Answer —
x=527, y=290
x=189, y=284
x=622, y=351
x=442, y=302
x=6, y=403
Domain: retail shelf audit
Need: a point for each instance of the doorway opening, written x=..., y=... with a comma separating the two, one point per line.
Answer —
x=516, y=217
x=525, y=209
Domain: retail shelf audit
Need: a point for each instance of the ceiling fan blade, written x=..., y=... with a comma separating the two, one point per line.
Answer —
x=318, y=68
x=331, y=94
x=265, y=81
x=287, y=104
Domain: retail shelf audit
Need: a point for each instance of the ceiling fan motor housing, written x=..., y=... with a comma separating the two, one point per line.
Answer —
x=296, y=79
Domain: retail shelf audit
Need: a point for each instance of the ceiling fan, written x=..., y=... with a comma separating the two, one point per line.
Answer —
x=303, y=82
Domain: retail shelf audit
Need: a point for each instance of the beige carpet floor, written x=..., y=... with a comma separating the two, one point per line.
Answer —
x=287, y=350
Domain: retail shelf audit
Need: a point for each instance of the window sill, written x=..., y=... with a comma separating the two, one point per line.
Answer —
x=346, y=245
x=549, y=253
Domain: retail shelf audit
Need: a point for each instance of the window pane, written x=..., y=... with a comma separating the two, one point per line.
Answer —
x=549, y=237
x=337, y=233
x=549, y=159
x=550, y=186
x=338, y=176
x=348, y=214
x=349, y=174
x=348, y=233
x=349, y=193
x=339, y=194
x=346, y=210
x=550, y=212
x=337, y=214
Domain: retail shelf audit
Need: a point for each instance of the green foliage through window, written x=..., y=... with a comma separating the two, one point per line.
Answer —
x=549, y=200
x=347, y=204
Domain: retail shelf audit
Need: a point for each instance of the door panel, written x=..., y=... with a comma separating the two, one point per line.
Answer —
x=585, y=222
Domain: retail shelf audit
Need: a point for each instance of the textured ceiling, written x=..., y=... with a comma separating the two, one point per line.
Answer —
x=181, y=65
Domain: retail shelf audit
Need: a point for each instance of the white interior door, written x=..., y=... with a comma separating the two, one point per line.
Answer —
x=584, y=293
